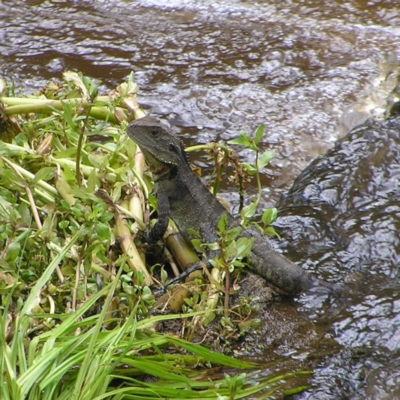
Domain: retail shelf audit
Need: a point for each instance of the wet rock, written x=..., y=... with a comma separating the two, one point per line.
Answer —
x=341, y=219
x=342, y=213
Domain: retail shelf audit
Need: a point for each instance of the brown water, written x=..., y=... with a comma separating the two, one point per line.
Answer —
x=309, y=70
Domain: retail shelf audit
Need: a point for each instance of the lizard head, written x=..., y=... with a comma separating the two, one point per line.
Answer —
x=160, y=146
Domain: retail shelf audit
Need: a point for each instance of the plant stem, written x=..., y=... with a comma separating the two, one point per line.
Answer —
x=227, y=289
x=79, y=148
x=209, y=146
x=258, y=181
x=45, y=106
x=26, y=174
x=86, y=169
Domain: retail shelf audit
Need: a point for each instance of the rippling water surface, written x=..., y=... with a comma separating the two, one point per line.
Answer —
x=310, y=71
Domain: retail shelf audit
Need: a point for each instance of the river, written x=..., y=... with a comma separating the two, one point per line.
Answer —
x=309, y=70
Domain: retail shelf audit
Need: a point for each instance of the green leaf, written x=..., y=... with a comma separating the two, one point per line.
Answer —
x=147, y=295
x=231, y=251
x=238, y=264
x=249, y=168
x=213, y=263
x=244, y=246
x=70, y=152
x=21, y=139
x=10, y=150
x=259, y=228
x=164, y=275
x=68, y=115
x=44, y=174
x=24, y=213
x=270, y=231
x=103, y=231
x=194, y=233
x=243, y=140
x=265, y=158
x=76, y=78
x=5, y=209
x=231, y=234
x=63, y=224
x=248, y=211
x=98, y=160
x=93, y=182
x=259, y=134
x=198, y=245
x=217, y=263
x=13, y=178
x=12, y=252
x=90, y=86
x=212, y=246
x=222, y=223
x=269, y=216
x=23, y=236
x=152, y=201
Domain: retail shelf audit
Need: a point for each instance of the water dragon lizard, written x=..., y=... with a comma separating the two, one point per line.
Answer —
x=182, y=197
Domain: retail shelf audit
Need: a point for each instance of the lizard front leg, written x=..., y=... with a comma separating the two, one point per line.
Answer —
x=158, y=230
x=208, y=237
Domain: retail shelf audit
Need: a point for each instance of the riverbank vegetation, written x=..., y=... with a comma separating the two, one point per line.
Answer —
x=81, y=316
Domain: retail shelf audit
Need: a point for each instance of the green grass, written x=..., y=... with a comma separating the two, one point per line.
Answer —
x=76, y=303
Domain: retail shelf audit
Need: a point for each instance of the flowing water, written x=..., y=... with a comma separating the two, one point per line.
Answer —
x=310, y=71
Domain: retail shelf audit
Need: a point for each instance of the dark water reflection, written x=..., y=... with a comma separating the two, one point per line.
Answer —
x=310, y=71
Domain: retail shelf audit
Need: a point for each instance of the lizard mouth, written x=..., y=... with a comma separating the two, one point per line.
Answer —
x=158, y=168
x=160, y=172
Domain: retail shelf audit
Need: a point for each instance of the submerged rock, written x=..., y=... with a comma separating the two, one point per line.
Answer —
x=343, y=211
x=341, y=219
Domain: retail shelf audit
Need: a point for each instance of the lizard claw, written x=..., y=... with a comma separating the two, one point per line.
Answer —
x=183, y=275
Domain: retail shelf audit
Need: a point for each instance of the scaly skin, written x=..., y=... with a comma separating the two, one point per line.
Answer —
x=182, y=196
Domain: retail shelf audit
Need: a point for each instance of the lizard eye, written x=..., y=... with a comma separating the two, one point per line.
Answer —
x=154, y=132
